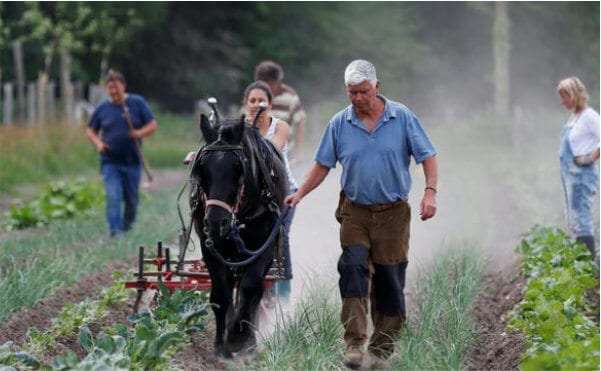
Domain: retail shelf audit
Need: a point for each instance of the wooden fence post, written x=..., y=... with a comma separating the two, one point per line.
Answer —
x=94, y=94
x=31, y=103
x=7, y=104
x=51, y=101
x=41, y=90
x=20, y=75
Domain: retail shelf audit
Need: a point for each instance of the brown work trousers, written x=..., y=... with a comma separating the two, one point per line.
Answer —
x=384, y=231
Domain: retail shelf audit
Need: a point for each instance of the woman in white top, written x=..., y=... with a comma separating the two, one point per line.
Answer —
x=578, y=154
x=277, y=131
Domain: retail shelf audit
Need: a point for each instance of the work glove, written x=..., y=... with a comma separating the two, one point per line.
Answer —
x=584, y=160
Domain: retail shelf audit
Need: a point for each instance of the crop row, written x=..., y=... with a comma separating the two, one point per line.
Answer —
x=561, y=279
x=59, y=200
x=156, y=336
x=438, y=335
x=35, y=263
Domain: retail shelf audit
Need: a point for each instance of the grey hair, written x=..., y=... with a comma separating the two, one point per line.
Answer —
x=358, y=71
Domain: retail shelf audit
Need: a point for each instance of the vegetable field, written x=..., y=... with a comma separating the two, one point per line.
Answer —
x=479, y=295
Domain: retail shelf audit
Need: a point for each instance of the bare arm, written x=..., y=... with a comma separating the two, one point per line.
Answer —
x=300, y=140
x=427, y=207
x=313, y=179
x=145, y=130
x=280, y=136
x=95, y=139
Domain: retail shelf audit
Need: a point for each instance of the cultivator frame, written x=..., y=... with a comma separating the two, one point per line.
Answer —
x=187, y=275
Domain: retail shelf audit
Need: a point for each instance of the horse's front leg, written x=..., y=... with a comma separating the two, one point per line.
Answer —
x=221, y=302
x=240, y=332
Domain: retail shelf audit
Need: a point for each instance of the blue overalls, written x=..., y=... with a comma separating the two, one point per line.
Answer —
x=580, y=185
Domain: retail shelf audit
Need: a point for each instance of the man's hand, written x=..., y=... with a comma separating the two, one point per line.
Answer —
x=101, y=147
x=189, y=158
x=427, y=208
x=135, y=134
x=292, y=199
x=584, y=160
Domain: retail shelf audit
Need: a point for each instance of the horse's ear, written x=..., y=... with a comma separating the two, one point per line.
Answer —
x=238, y=131
x=208, y=132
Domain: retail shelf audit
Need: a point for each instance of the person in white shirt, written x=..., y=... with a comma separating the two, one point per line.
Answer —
x=578, y=155
x=278, y=132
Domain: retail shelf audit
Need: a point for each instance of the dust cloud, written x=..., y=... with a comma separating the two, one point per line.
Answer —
x=498, y=177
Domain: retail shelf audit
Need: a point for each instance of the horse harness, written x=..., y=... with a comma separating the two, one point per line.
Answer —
x=198, y=197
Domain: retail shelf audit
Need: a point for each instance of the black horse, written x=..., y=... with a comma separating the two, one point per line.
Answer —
x=238, y=186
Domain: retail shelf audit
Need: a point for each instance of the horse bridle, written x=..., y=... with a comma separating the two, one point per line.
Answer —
x=238, y=150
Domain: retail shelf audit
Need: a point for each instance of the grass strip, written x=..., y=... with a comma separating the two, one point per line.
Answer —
x=43, y=153
x=309, y=340
x=35, y=262
x=438, y=334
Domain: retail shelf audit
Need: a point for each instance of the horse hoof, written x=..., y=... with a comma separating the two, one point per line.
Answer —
x=240, y=343
x=222, y=352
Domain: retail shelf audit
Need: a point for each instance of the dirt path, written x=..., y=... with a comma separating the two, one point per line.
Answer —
x=497, y=349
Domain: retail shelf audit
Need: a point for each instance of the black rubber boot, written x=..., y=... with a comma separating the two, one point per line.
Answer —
x=589, y=242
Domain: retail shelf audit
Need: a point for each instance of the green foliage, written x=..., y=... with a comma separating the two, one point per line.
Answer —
x=443, y=329
x=156, y=337
x=9, y=356
x=60, y=200
x=186, y=308
x=552, y=316
x=35, y=264
x=423, y=52
x=310, y=340
x=60, y=152
x=439, y=332
x=75, y=316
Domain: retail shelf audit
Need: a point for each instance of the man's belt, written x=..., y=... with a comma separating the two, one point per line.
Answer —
x=378, y=207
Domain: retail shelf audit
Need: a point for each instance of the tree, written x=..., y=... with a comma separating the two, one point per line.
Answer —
x=501, y=48
x=114, y=25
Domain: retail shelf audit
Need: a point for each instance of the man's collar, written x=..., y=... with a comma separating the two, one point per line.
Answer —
x=387, y=114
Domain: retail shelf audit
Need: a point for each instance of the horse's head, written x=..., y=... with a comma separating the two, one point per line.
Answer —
x=220, y=172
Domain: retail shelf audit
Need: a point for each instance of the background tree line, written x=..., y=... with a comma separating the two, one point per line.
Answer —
x=433, y=56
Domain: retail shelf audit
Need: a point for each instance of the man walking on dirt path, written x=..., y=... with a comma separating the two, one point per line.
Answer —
x=120, y=155
x=286, y=105
x=373, y=139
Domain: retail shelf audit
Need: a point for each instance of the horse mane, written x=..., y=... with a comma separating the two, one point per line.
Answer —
x=230, y=131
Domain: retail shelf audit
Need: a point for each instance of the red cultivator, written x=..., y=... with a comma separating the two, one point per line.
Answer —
x=186, y=275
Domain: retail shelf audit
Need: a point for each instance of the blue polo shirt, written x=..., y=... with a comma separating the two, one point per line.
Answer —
x=375, y=166
x=109, y=120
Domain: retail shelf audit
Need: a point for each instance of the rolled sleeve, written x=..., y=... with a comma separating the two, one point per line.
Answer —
x=326, y=152
x=420, y=146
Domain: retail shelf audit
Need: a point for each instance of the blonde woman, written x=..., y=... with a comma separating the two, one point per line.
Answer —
x=578, y=154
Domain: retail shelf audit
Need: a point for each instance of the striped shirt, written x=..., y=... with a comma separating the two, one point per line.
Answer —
x=287, y=107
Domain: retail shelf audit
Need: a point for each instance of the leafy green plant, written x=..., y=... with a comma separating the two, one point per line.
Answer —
x=60, y=200
x=157, y=334
x=11, y=357
x=186, y=308
x=75, y=316
x=552, y=316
